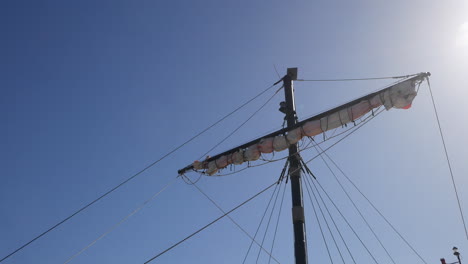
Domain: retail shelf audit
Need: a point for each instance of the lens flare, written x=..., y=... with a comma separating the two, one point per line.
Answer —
x=462, y=36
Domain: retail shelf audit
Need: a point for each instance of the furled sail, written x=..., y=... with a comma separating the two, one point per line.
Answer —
x=398, y=96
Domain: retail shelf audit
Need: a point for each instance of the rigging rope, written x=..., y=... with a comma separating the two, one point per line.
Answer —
x=447, y=157
x=268, y=223
x=338, y=230
x=344, y=218
x=260, y=224
x=123, y=220
x=326, y=222
x=212, y=222
x=355, y=206
x=136, y=174
x=320, y=225
x=233, y=221
x=240, y=126
x=357, y=79
x=277, y=223
x=375, y=208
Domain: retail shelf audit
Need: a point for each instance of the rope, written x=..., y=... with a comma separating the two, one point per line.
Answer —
x=357, y=79
x=260, y=224
x=318, y=221
x=268, y=223
x=233, y=221
x=447, y=157
x=277, y=223
x=134, y=176
x=344, y=218
x=376, y=209
x=338, y=230
x=209, y=224
x=326, y=222
x=276, y=70
x=241, y=125
x=355, y=207
x=121, y=221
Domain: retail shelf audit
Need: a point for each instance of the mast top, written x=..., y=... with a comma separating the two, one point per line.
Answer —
x=292, y=72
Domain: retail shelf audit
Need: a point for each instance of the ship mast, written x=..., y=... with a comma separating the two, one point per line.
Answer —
x=399, y=95
x=300, y=242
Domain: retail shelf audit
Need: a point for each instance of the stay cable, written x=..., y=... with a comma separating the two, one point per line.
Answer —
x=136, y=174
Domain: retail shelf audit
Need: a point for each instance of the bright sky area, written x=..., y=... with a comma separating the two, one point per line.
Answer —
x=94, y=91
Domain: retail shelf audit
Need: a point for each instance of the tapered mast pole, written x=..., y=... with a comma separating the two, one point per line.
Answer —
x=300, y=243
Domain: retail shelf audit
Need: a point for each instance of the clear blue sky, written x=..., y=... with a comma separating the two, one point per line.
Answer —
x=93, y=91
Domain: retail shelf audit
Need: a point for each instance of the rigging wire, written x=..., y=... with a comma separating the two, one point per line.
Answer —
x=260, y=224
x=212, y=222
x=320, y=225
x=268, y=223
x=277, y=223
x=355, y=206
x=356, y=79
x=188, y=181
x=136, y=174
x=338, y=230
x=344, y=218
x=123, y=220
x=447, y=157
x=233, y=221
x=276, y=70
x=375, y=208
x=241, y=125
x=326, y=222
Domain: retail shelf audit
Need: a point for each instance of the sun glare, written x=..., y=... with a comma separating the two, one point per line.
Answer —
x=462, y=36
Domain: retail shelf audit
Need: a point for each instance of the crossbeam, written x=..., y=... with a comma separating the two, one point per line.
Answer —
x=299, y=124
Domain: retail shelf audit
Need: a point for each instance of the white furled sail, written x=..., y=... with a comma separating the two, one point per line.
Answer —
x=398, y=96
